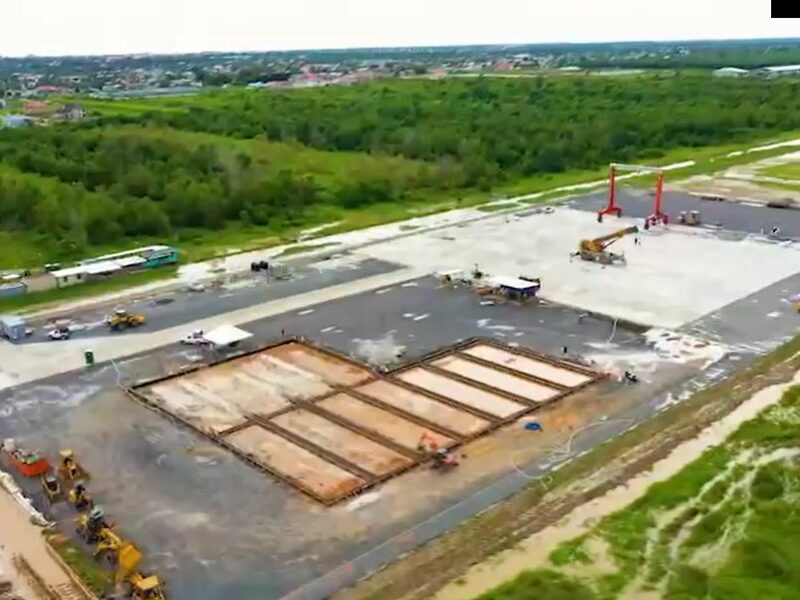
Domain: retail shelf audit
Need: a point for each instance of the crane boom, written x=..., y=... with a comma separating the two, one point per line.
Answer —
x=636, y=168
x=595, y=250
x=606, y=240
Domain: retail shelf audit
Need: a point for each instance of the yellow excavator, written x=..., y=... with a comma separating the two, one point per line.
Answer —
x=596, y=250
x=109, y=545
x=122, y=319
x=90, y=525
x=141, y=587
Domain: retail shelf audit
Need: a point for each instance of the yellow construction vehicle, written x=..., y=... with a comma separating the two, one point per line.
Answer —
x=122, y=319
x=80, y=498
x=91, y=524
x=596, y=250
x=141, y=587
x=109, y=544
x=69, y=468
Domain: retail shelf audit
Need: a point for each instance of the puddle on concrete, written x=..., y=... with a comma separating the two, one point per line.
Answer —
x=534, y=552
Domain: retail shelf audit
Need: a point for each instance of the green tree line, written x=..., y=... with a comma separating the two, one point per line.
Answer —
x=98, y=186
x=498, y=129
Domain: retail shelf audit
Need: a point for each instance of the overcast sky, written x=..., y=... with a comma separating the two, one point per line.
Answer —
x=48, y=27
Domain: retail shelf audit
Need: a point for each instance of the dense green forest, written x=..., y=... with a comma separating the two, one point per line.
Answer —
x=498, y=129
x=100, y=185
x=744, y=55
x=154, y=169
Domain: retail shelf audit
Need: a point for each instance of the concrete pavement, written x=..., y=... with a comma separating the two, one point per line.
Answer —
x=29, y=362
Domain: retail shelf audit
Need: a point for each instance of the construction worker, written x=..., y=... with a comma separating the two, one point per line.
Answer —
x=69, y=467
x=80, y=498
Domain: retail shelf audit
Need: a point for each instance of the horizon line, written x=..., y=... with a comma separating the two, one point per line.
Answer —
x=409, y=47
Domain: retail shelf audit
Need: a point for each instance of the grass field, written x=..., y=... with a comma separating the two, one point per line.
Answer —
x=786, y=171
x=87, y=569
x=724, y=527
x=789, y=187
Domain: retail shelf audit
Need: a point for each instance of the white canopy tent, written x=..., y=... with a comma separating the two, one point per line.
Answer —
x=226, y=335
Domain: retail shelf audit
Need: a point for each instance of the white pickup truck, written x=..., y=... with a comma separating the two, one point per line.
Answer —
x=195, y=338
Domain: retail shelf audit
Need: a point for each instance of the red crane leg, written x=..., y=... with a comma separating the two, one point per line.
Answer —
x=612, y=208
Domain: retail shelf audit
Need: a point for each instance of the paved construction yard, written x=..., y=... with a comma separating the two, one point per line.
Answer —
x=294, y=466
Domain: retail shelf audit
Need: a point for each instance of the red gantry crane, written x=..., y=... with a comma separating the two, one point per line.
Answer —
x=657, y=216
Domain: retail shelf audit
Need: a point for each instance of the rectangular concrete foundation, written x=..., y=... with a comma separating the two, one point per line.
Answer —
x=462, y=393
x=341, y=441
x=425, y=408
x=329, y=369
x=303, y=468
x=528, y=366
x=332, y=427
x=496, y=379
x=381, y=422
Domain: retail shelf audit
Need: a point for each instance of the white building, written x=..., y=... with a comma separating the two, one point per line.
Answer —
x=730, y=72
x=780, y=71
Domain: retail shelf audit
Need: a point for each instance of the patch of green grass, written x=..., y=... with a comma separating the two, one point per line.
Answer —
x=789, y=187
x=571, y=551
x=498, y=207
x=544, y=585
x=87, y=569
x=789, y=170
x=32, y=300
x=300, y=248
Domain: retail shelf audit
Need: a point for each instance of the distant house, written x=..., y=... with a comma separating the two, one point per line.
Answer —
x=45, y=90
x=779, y=71
x=70, y=112
x=730, y=72
x=37, y=108
x=14, y=121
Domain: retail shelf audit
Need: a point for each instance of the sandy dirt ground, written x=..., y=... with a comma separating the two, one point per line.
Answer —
x=748, y=182
x=21, y=537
